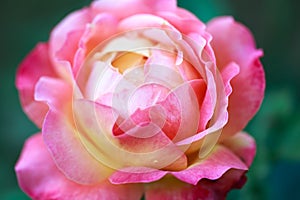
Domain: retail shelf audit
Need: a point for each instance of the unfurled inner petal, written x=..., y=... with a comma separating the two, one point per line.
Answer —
x=95, y=124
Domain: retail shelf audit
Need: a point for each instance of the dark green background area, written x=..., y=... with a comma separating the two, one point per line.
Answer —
x=276, y=128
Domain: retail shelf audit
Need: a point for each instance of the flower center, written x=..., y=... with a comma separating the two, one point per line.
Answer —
x=127, y=60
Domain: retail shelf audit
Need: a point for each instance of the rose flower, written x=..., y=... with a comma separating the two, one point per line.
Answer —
x=136, y=98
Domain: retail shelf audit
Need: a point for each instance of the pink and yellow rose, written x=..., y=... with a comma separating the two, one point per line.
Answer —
x=138, y=98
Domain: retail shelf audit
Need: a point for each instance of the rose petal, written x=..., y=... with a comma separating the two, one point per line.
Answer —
x=212, y=167
x=199, y=87
x=136, y=6
x=153, y=150
x=228, y=73
x=39, y=177
x=64, y=40
x=151, y=119
x=95, y=123
x=220, y=160
x=136, y=175
x=71, y=157
x=69, y=48
x=243, y=145
x=46, y=90
x=180, y=20
x=185, y=14
x=74, y=22
x=146, y=96
x=180, y=106
x=35, y=65
x=91, y=38
x=103, y=79
x=215, y=110
x=232, y=42
x=141, y=21
x=170, y=188
x=161, y=71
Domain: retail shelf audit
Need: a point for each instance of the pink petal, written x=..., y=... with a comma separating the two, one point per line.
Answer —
x=64, y=39
x=94, y=123
x=151, y=149
x=136, y=175
x=34, y=66
x=147, y=95
x=39, y=177
x=243, y=145
x=185, y=14
x=214, y=109
x=180, y=19
x=199, y=87
x=159, y=71
x=91, y=38
x=188, y=72
x=133, y=148
x=70, y=47
x=172, y=61
x=121, y=10
x=171, y=188
x=71, y=157
x=46, y=91
x=232, y=42
x=220, y=160
x=74, y=22
x=101, y=80
x=180, y=106
x=151, y=120
x=139, y=21
x=228, y=73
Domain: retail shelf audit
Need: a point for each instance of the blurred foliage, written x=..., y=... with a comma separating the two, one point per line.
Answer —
x=276, y=127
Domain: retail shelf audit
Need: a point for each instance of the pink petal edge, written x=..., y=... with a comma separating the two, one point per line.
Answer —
x=34, y=66
x=70, y=155
x=248, y=86
x=212, y=167
x=170, y=188
x=136, y=6
x=243, y=145
x=39, y=177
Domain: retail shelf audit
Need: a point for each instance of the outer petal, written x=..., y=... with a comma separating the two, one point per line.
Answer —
x=65, y=39
x=71, y=27
x=181, y=18
x=60, y=135
x=40, y=178
x=46, y=90
x=121, y=10
x=172, y=189
x=212, y=167
x=242, y=145
x=91, y=37
x=35, y=66
x=232, y=42
x=68, y=152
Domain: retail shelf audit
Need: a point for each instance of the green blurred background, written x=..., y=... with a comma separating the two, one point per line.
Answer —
x=275, y=173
